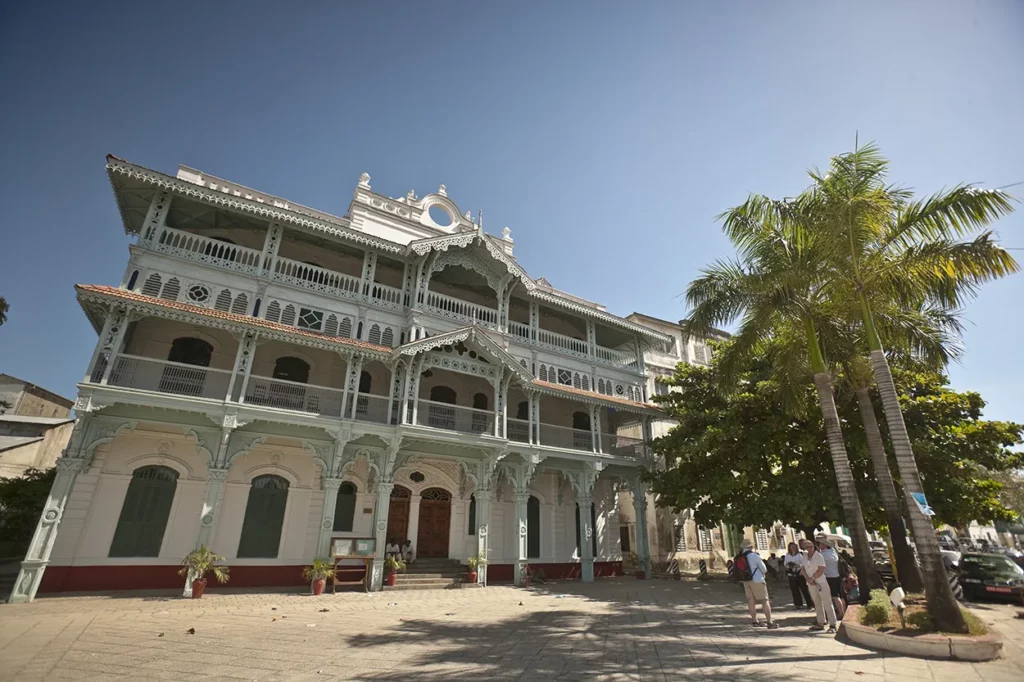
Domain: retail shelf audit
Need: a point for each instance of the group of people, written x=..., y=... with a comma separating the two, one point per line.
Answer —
x=401, y=551
x=817, y=575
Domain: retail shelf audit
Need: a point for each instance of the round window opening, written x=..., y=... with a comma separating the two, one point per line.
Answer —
x=198, y=293
x=440, y=215
x=417, y=477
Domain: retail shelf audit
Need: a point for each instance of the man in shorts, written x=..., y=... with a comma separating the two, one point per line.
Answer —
x=756, y=589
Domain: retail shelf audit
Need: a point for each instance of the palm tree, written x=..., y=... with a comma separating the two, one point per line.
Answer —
x=775, y=287
x=906, y=251
x=4, y=307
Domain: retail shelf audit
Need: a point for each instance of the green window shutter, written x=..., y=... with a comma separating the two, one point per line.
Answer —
x=472, y=515
x=264, y=518
x=533, y=528
x=345, y=508
x=144, y=514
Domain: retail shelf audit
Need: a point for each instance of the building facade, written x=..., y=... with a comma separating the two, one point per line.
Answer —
x=268, y=377
x=35, y=425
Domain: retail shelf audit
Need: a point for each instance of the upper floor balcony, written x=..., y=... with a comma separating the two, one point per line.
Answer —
x=171, y=363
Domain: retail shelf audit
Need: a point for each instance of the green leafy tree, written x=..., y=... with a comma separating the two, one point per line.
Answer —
x=889, y=246
x=4, y=308
x=21, y=502
x=774, y=287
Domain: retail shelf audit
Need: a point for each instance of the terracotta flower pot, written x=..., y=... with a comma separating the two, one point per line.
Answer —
x=390, y=579
x=197, y=588
x=318, y=587
x=471, y=577
x=640, y=575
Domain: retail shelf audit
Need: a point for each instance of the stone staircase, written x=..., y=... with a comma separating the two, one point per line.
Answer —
x=432, y=574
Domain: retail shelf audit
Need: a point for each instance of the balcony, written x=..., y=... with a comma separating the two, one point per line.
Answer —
x=318, y=279
x=454, y=417
x=161, y=376
x=464, y=311
x=622, y=446
x=289, y=395
x=561, y=343
x=207, y=250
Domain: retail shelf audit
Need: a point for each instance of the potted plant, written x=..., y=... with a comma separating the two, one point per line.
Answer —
x=198, y=563
x=473, y=562
x=392, y=566
x=318, y=574
x=631, y=562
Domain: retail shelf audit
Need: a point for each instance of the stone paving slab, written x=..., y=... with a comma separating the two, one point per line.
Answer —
x=614, y=629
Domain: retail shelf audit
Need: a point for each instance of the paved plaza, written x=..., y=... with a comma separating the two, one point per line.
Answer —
x=615, y=629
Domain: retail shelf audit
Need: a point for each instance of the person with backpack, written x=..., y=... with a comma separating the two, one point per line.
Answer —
x=751, y=572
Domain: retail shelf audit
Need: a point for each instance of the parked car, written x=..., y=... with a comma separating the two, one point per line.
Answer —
x=1014, y=555
x=991, y=576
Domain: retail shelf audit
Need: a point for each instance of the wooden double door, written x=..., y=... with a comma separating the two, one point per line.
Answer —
x=435, y=523
x=435, y=517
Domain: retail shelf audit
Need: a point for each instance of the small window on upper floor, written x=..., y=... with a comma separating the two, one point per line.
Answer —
x=660, y=388
x=310, y=319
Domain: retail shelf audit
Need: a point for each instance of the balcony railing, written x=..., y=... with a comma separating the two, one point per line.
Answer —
x=206, y=250
x=623, y=446
x=458, y=309
x=561, y=342
x=388, y=297
x=132, y=371
x=291, y=395
x=519, y=329
x=564, y=437
x=619, y=358
x=372, y=408
x=454, y=417
x=518, y=430
x=318, y=279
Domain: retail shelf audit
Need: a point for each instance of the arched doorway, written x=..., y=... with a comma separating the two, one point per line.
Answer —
x=435, y=523
x=582, y=438
x=398, y=514
x=439, y=415
x=186, y=380
x=291, y=395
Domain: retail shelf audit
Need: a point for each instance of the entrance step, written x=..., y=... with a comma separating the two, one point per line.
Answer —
x=431, y=585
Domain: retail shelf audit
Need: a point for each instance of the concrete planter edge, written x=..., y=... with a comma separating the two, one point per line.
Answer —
x=960, y=648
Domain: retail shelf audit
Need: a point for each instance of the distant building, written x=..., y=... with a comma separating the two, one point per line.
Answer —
x=35, y=425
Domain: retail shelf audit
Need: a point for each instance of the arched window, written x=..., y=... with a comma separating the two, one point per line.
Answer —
x=274, y=312
x=240, y=305
x=264, y=518
x=345, y=328
x=291, y=369
x=543, y=373
x=345, y=507
x=331, y=326
x=586, y=382
x=374, y=336
x=152, y=285
x=582, y=439
x=472, y=515
x=171, y=290
x=191, y=351
x=144, y=514
x=388, y=337
x=223, y=302
x=132, y=280
x=365, y=382
x=480, y=419
x=442, y=394
x=288, y=315
x=523, y=410
x=533, y=528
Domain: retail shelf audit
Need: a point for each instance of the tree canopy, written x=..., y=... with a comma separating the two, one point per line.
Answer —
x=739, y=457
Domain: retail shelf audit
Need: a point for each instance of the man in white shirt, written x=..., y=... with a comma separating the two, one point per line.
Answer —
x=755, y=589
x=814, y=573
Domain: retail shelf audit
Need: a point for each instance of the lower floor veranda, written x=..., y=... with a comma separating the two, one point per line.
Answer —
x=134, y=495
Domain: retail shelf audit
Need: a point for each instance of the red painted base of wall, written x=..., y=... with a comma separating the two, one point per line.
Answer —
x=505, y=573
x=113, y=578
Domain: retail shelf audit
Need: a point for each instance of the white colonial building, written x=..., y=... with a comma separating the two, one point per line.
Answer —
x=269, y=377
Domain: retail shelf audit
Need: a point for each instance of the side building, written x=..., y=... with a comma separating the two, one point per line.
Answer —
x=35, y=426
x=269, y=377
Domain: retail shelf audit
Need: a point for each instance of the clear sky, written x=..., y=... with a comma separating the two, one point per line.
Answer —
x=606, y=135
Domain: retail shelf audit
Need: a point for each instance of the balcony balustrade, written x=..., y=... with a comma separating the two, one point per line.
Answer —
x=564, y=437
x=291, y=395
x=372, y=408
x=518, y=430
x=456, y=308
x=207, y=250
x=454, y=417
x=318, y=279
x=161, y=376
x=388, y=297
x=622, y=446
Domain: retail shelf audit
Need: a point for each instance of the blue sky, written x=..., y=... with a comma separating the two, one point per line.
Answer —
x=606, y=135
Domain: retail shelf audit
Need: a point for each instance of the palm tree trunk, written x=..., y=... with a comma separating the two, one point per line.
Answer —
x=906, y=565
x=942, y=604
x=869, y=578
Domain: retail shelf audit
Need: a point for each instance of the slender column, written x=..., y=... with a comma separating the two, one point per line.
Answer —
x=596, y=424
x=595, y=441
x=534, y=319
x=155, y=216
x=247, y=370
x=585, y=499
x=37, y=557
x=369, y=271
x=354, y=369
x=100, y=342
x=643, y=545
x=483, y=517
x=496, y=431
x=522, y=497
x=243, y=358
x=215, y=478
x=591, y=339
x=330, y=486
x=113, y=342
x=397, y=373
x=404, y=406
x=413, y=528
x=640, y=356
x=415, y=390
x=271, y=245
x=503, y=417
x=380, y=520
x=535, y=429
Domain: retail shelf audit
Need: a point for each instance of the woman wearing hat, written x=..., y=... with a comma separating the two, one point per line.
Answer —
x=814, y=573
x=832, y=574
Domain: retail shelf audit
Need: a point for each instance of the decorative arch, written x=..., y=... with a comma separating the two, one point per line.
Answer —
x=249, y=475
x=470, y=261
x=178, y=464
x=435, y=478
